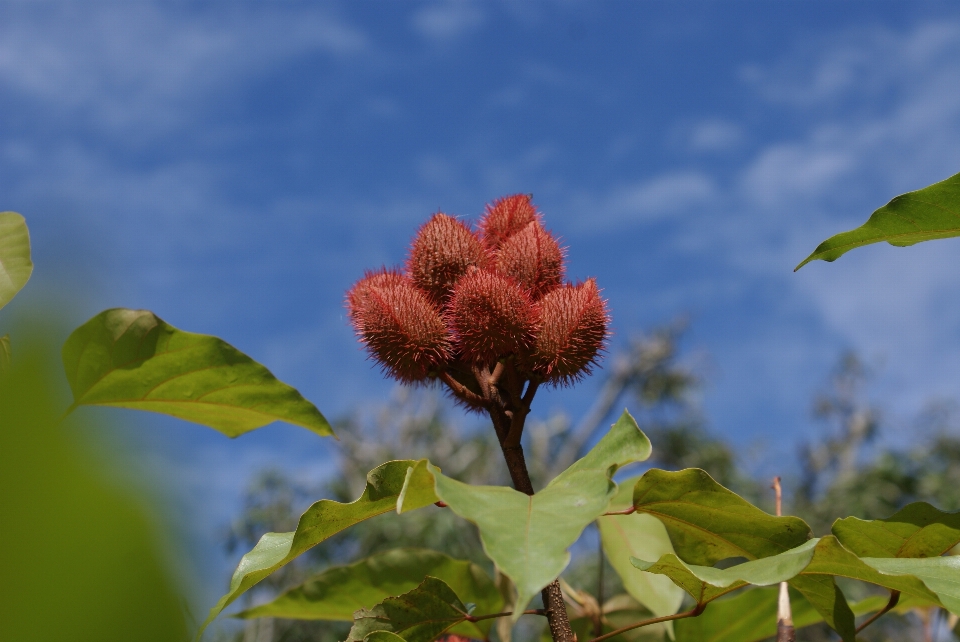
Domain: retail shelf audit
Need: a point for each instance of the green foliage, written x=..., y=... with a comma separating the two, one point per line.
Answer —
x=15, y=264
x=751, y=616
x=420, y=615
x=321, y=521
x=918, y=530
x=337, y=592
x=527, y=537
x=133, y=359
x=708, y=523
x=926, y=214
x=6, y=353
x=643, y=536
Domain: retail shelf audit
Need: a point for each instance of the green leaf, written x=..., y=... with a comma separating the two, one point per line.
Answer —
x=926, y=214
x=15, y=264
x=643, y=536
x=706, y=583
x=134, y=359
x=420, y=615
x=528, y=536
x=708, y=523
x=917, y=530
x=6, y=353
x=751, y=616
x=940, y=575
x=337, y=592
x=323, y=519
x=933, y=581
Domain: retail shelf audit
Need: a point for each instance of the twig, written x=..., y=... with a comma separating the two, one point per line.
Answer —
x=625, y=511
x=894, y=598
x=496, y=374
x=477, y=618
x=785, y=629
x=462, y=391
x=694, y=612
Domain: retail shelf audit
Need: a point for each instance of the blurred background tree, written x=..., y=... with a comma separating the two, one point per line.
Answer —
x=844, y=469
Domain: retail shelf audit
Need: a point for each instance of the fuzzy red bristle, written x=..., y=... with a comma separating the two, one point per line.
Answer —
x=399, y=325
x=442, y=251
x=573, y=330
x=505, y=217
x=533, y=258
x=491, y=317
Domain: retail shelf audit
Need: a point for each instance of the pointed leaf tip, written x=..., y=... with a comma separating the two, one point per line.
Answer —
x=923, y=215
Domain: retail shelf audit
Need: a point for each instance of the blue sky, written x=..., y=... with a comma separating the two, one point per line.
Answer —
x=234, y=167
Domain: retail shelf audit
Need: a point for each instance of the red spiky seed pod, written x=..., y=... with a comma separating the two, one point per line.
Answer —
x=491, y=317
x=442, y=251
x=573, y=329
x=399, y=325
x=533, y=258
x=505, y=217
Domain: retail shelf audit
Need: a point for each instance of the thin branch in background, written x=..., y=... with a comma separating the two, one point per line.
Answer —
x=694, y=612
x=785, y=630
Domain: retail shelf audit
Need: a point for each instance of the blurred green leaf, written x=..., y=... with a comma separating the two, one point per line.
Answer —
x=15, y=264
x=134, y=359
x=917, y=530
x=926, y=214
x=642, y=536
x=80, y=555
x=337, y=592
x=322, y=520
x=527, y=537
x=6, y=353
x=420, y=615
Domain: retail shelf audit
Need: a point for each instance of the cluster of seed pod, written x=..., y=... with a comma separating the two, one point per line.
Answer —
x=468, y=299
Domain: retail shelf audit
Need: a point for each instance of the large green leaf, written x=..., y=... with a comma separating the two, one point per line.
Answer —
x=420, y=615
x=337, y=592
x=917, y=530
x=134, y=359
x=751, y=616
x=528, y=536
x=708, y=523
x=323, y=519
x=643, y=536
x=15, y=264
x=926, y=214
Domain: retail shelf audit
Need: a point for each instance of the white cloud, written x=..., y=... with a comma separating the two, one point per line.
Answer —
x=715, y=136
x=653, y=199
x=146, y=64
x=447, y=20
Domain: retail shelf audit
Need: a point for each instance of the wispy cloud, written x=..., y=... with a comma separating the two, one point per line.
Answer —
x=447, y=19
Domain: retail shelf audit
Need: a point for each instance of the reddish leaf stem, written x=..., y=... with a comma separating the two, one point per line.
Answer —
x=894, y=598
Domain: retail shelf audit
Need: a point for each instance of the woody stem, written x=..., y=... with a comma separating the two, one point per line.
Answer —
x=554, y=607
